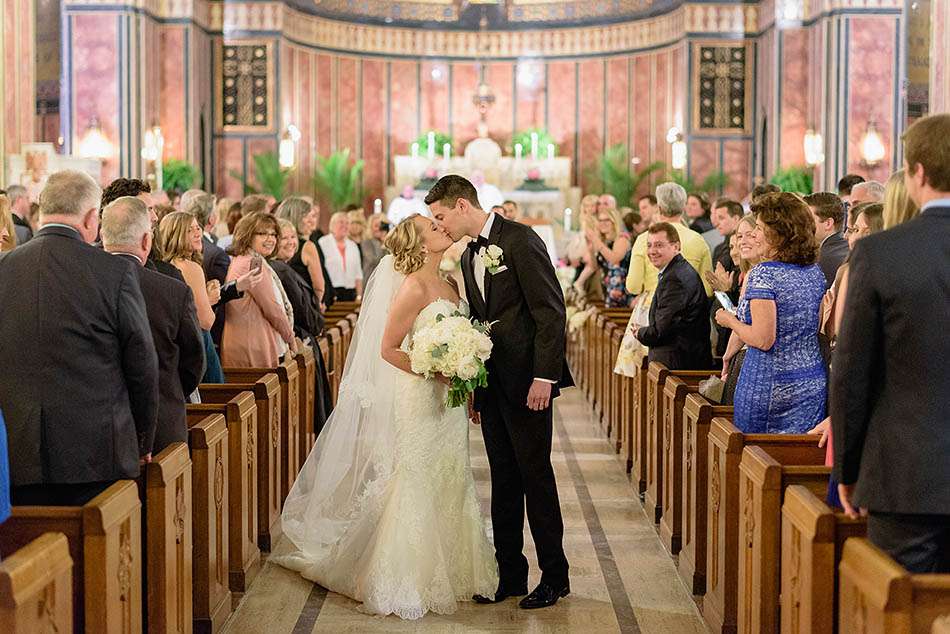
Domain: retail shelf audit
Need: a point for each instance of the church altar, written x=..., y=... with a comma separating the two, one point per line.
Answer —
x=36, y=161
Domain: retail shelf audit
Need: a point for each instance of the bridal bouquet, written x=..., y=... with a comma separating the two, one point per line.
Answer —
x=456, y=347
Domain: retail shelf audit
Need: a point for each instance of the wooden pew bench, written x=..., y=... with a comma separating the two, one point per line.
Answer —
x=813, y=537
x=698, y=414
x=723, y=519
x=764, y=474
x=240, y=414
x=168, y=540
x=267, y=396
x=36, y=587
x=638, y=432
x=208, y=441
x=677, y=387
x=335, y=367
x=307, y=366
x=878, y=596
x=105, y=544
x=289, y=376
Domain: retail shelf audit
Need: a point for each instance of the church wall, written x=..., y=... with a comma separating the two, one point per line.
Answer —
x=940, y=57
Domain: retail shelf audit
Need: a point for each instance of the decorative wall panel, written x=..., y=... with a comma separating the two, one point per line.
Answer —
x=245, y=86
x=722, y=86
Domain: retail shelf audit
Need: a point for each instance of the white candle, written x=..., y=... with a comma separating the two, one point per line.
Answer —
x=534, y=146
x=567, y=219
x=518, y=151
x=378, y=206
x=550, y=151
x=415, y=151
x=431, y=145
x=446, y=151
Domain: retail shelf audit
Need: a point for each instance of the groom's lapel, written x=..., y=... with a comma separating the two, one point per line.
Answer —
x=471, y=289
x=493, y=238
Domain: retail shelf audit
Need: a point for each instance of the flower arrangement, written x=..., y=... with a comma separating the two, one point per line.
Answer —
x=456, y=347
x=534, y=182
x=429, y=178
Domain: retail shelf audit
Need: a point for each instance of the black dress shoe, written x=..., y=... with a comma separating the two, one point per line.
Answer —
x=500, y=595
x=544, y=596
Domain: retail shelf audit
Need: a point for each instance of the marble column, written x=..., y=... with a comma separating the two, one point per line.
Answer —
x=17, y=79
x=940, y=57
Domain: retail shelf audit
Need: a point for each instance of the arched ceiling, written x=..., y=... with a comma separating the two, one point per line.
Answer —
x=495, y=15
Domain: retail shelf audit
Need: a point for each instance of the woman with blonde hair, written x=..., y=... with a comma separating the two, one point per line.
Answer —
x=303, y=215
x=898, y=207
x=609, y=250
x=258, y=327
x=179, y=238
x=7, y=228
x=342, y=259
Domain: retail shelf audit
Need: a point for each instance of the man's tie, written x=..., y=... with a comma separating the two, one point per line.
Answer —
x=478, y=243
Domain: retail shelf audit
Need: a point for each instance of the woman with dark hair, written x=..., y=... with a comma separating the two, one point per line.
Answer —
x=782, y=384
x=698, y=212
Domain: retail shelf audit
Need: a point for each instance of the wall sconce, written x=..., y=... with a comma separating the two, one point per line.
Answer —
x=675, y=138
x=94, y=143
x=153, y=146
x=872, y=146
x=814, y=148
x=287, y=151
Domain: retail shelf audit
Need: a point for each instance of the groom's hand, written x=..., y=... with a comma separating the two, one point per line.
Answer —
x=473, y=414
x=539, y=396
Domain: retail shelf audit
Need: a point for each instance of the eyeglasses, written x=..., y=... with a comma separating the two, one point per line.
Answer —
x=266, y=234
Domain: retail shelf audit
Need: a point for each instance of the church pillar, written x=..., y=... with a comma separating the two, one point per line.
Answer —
x=940, y=57
x=17, y=77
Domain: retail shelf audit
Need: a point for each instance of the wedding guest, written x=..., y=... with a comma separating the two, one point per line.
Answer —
x=890, y=379
x=255, y=203
x=220, y=230
x=726, y=216
x=829, y=214
x=845, y=185
x=632, y=221
x=697, y=213
x=161, y=211
x=303, y=215
x=373, y=245
x=782, y=384
x=127, y=233
x=511, y=210
x=258, y=327
x=867, y=192
x=5, y=509
x=232, y=216
x=34, y=218
x=214, y=260
x=678, y=334
x=498, y=209
x=609, y=247
x=342, y=259
x=78, y=370
x=606, y=201
x=577, y=245
x=180, y=236
x=20, y=207
x=357, y=226
x=898, y=207
x=648, y=209
x=7, y=228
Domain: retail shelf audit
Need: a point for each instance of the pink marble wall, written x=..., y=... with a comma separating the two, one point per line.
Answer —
x=347, y=98
x=464, y=116
x=19, y=119
x=402, y=107
x=531, y=94
x=228, y=156
x=325, y=112
x=562, y=105
x=618, y=101
x=737, y=162
x=500, y=77
x=172, y=102
x=642, y=141
x=434, y=76
x=703, y=158
x=374, y=131
x=591, y=117
x=940, y=57
x=796, y=72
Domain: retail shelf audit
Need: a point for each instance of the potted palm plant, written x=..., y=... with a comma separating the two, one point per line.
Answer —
x=336, y=180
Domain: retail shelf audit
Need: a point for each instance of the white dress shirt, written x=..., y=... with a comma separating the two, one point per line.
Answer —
x=343, y=272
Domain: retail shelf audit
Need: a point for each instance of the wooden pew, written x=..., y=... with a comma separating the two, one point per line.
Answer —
x=678, y=386
x=698, y=414
x=289, y=376
x=616, y=390
x=335, y=369
x=725, y=445
x=208, y=440
x=638, y=432
x=307, y=365
x=36, y=587
x=813, y=537
x=266, y=390
x=656, y=382
x=877, y=595
x=764, y=474
x=240, y=413
x=600, y=366
x=105, y=544
x=346, y=335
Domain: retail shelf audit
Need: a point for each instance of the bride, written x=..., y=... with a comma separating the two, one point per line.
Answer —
x=384, y=510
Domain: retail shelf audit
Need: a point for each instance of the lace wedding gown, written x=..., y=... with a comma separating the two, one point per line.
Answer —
x=404, y=534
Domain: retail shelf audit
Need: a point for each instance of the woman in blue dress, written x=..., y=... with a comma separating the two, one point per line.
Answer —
x=782, y=384
x=4, y=473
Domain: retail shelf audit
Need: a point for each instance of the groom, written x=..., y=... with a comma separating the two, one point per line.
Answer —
x=509, y=281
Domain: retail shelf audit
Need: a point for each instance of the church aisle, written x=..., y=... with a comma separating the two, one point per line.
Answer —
x=621, y=578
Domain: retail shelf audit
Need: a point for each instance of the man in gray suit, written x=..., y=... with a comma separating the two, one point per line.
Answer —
x=890, y=378
x=78, y=369
x=828, y=210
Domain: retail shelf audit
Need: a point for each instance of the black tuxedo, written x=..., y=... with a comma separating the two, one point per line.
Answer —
x=527, y=306
x=721, y=255
x=832, y=254
x=78, y=370
x=214, y=261
x=24, y=232
x=180, y=348
x=890, y=379
x=678, y=334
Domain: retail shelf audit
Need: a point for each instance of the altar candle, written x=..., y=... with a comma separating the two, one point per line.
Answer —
x=550, y=151
x=518, y=151
x=431, y=145
x=378, y=206
x=567, y=219
x=534, y=146
x=415, y=151
x=446, y=151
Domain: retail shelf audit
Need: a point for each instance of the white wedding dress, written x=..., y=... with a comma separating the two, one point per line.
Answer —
x=385, y=510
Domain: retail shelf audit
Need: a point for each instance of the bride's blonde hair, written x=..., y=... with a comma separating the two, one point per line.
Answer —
x=405, y=243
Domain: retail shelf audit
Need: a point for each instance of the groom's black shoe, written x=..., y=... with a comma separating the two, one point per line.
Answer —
x=544, y=596
x=501, y=594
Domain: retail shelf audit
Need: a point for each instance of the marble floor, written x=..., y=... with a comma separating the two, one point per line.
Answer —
x=621, y=578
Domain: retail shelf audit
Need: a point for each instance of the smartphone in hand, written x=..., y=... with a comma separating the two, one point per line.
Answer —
x=725, y=302
x=256, y=263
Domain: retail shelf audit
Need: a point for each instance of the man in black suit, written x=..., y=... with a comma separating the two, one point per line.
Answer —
x=126, y=232
x=890, y=379
x=20, y=210
x=726, y=216
x=828, y=211
x=78, y=370
x=678, y=334
x=509, y=280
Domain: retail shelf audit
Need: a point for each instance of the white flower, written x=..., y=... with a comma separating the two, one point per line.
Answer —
x=453, y=346
x=491, y=257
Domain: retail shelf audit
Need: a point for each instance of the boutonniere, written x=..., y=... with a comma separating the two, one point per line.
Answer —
x=492, y=257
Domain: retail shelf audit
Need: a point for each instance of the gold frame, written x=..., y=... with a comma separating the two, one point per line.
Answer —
x=270, y=46
x=695, y=82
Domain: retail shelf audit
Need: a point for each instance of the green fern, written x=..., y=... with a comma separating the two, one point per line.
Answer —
x=270, y=177
x=336, y=180
x=613, y=175
x=441, y=138
x=794, y=179
x=179, y=176
x=713, y=184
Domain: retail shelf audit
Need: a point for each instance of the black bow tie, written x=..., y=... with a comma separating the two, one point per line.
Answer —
x=478, y=243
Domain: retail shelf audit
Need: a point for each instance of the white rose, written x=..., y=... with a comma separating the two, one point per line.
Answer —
x=494, y=251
